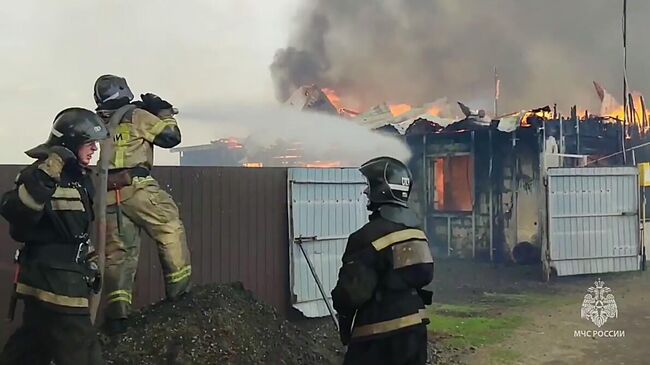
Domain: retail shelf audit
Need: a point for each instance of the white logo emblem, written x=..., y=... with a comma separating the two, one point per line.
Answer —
x=599, y=304
x=406, y=181
x=97, y=128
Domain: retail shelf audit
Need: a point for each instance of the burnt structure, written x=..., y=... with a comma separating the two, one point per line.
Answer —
x=480, y=186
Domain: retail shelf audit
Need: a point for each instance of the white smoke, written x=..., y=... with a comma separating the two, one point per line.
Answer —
x=323, y=137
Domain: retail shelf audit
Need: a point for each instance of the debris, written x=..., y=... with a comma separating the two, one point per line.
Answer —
x=219, y=324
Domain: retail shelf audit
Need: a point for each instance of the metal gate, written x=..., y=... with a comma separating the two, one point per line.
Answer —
x=593, y=220
x=325, y=206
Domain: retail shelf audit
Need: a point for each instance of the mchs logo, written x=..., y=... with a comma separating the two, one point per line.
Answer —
x=598, y=306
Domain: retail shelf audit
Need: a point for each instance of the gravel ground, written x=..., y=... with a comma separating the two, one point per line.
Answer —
x=219, y=324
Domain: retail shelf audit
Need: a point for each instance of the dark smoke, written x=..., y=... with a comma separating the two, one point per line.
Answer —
x=416, y=51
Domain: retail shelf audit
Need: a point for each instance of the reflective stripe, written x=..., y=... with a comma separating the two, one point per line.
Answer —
x=27, y=199
x=179, y=275
x=119, y=299
x=139, y=180
x=119, y=296
x=398, y=187
x=119, y=157
x=66, y=193
x=399, y=236
x=67, y=205
x=159, y=127
x=411, y=253
x=50, y=297
x=391, y=325
x=121, y=140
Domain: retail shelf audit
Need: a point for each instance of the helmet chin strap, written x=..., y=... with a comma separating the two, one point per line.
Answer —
x=372, y=207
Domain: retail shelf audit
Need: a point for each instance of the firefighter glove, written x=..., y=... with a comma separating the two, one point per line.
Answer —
x=57, y=158
x=95, y=278
x=154, y=103
x=345, y=328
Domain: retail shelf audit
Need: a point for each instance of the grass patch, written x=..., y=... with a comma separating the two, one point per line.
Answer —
x=475, y=325
x=490, y=320
x=475, y=331
x=503, y=300
x=504, y=356
x=512, y=300
x=453, y=310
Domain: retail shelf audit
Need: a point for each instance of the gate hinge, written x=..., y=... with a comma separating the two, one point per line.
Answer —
x=301, y=239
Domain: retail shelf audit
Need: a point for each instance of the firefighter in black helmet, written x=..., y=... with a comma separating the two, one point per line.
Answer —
x=136, y=202
x=380, y=297
x=50, y=211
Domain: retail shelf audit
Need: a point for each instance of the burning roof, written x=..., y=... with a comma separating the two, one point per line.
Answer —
x=437, y=116
x=311, y=97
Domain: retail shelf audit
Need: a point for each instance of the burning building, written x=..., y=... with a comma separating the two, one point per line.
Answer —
x=480, y=187
x=479, y=180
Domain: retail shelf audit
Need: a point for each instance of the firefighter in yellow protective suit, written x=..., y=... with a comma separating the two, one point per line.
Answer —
x=135, y=199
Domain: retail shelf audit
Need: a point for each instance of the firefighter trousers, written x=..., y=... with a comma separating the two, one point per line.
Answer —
x=46, y=335
x=409, y=347
x=143, y=206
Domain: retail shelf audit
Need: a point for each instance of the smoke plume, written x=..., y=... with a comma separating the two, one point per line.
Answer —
x=416, y=51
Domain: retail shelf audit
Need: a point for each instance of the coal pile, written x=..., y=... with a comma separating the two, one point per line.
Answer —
x=220, y=324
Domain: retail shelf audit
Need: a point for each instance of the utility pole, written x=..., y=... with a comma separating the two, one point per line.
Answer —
x=496, y=92
x=625, y=110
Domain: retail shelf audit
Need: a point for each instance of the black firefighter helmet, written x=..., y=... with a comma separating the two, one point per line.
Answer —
x=389, y=181
x=112, y=92
x=72, y=128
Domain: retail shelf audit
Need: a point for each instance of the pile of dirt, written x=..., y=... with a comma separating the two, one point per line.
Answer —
x=220, y=324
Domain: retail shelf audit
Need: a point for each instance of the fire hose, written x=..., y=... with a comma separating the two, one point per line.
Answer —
x=14, y=296
x=105, y=155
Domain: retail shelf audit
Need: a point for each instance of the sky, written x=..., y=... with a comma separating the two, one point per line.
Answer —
x=212, y=55
x=188, y=52
x=417, y=51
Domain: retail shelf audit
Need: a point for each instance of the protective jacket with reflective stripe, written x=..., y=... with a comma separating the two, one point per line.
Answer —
x=52, y=220
x=385, y=265
x=137, y=133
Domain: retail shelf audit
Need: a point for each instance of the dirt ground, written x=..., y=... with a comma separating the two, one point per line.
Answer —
x=540, y=328
x=481, y=314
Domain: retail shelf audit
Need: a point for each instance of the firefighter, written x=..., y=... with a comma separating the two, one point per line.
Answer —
x=50, y=211
x=380, y=296
x=135, y=199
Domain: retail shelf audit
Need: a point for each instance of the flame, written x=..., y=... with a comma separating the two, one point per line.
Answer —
x=319, y=164
x=333, y=98
x=435, y=111
x=542, y=114
x=348, y=112
x=635, y=118
x=253, y=164
x=399, y=109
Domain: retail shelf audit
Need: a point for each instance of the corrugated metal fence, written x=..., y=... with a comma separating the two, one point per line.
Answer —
x=236, y=221
x=593, y=220
x=327, y=205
